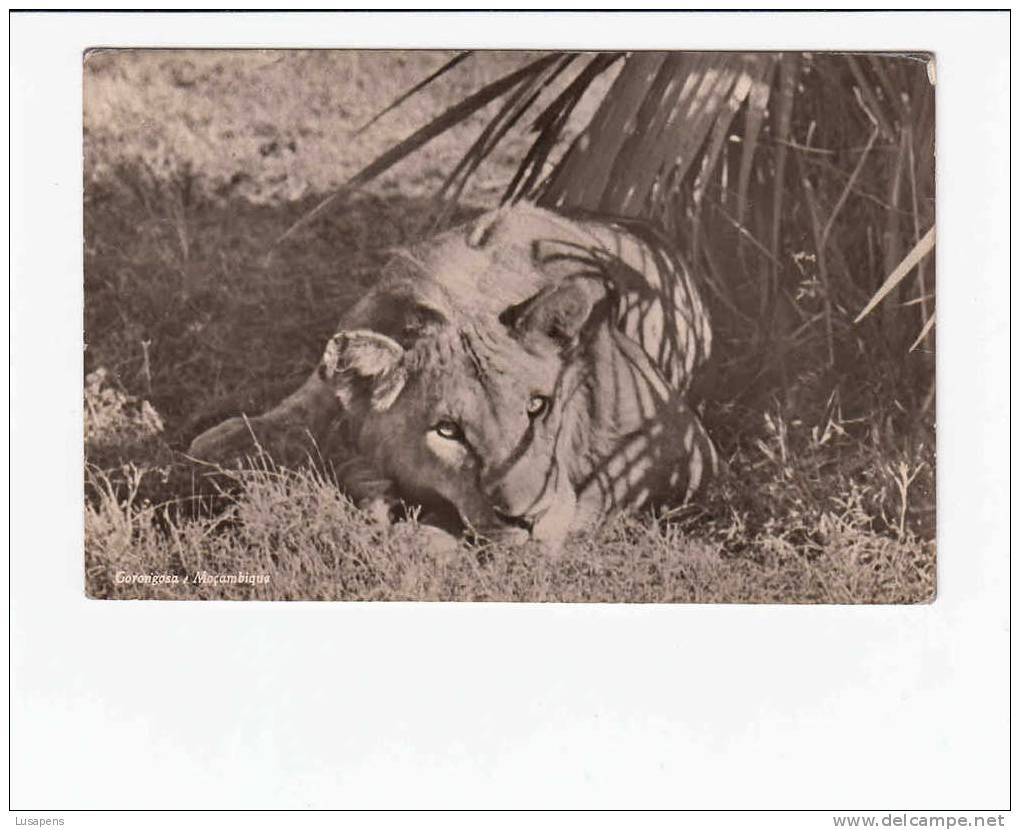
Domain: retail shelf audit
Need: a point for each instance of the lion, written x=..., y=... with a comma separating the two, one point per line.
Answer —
x=521, y=378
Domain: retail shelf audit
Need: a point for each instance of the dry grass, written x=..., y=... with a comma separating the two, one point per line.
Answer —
x=296, y=531
x=784, y=525
x=190, y=172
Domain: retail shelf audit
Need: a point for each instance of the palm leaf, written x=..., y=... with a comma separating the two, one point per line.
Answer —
x=517, y=103
x=788, y=65
x=720, y=133
x=659, y=143
x=652, y=126
x=451, y=117
x=582, y=174
x=872, y=101
x=758, y=99
x=917, y=253
x=550, y=125
x=418, y=87
x=924, y=332
x=682, y=99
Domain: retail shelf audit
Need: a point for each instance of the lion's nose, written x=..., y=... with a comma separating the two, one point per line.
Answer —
x=524, y=522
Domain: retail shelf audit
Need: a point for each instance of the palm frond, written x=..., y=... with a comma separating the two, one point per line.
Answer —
x=550, y=125
x=459, y=58
x=701, y=144
x=517, y=103
x=581, y=176
x=924, y=332
x=788, y=65
x=757, y=102
x=451, y=117
x=652, y=126
x=917, y=253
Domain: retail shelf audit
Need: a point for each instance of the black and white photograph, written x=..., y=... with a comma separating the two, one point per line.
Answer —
x=493, y=411
x=519, y=326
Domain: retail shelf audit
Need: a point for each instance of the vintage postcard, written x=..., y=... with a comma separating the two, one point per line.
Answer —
x=514, y=326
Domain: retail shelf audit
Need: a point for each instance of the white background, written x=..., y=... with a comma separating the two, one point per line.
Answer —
x=140, y=705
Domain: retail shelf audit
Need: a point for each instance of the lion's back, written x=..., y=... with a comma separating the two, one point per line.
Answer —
x=509, y=255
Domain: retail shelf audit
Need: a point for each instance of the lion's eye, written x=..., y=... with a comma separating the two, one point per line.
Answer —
x=537, y=405
x=450, y=430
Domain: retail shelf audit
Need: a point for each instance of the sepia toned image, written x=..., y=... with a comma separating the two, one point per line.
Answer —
x=509, y=326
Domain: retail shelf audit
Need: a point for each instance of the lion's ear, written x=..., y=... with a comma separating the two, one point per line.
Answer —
x=363, y=365
x=557, y=315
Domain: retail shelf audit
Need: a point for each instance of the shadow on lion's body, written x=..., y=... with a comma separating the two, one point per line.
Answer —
x=468, y=329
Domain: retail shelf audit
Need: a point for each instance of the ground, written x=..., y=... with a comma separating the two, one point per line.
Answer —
x=195, y=162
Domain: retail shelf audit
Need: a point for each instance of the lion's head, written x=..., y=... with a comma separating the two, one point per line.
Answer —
x=477, y=418
x=525, y=378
